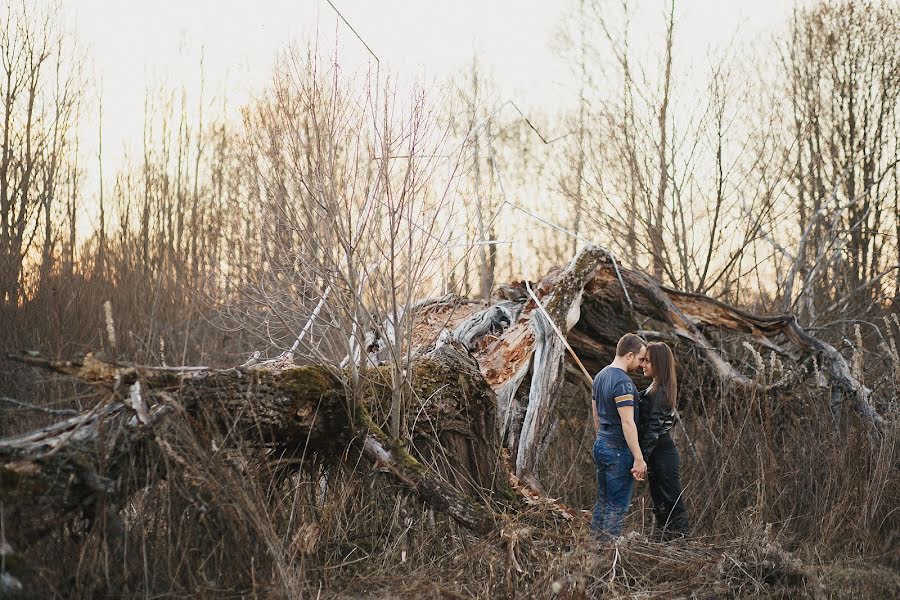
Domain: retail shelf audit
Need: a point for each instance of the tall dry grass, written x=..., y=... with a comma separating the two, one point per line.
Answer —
x=782, y=504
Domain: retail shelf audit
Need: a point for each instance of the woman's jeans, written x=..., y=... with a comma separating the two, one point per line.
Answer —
x=614, y=485
x=664, y=475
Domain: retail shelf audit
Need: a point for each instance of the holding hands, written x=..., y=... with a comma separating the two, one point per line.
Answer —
x=639, y=470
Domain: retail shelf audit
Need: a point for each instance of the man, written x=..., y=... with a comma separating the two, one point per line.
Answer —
x=617, y=453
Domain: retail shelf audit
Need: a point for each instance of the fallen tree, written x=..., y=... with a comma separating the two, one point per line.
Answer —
x=484, y=375
x=77, y=464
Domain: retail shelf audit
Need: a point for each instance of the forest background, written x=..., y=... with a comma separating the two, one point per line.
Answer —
x=766, y=176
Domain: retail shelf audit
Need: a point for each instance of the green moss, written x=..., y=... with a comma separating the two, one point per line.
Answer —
x=408, y=460
x=304, y=382
x=365, y=423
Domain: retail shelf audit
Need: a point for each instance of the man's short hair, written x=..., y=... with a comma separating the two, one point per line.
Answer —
x=629, y=343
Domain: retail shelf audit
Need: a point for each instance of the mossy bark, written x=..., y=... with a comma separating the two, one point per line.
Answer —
x=86, y=462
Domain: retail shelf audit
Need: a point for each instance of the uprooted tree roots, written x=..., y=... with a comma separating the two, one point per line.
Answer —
x=486, y=377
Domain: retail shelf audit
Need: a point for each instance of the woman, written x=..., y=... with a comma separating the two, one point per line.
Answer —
x=657, y=410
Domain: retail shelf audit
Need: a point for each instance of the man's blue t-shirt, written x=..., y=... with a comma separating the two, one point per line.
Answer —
x=613, y=388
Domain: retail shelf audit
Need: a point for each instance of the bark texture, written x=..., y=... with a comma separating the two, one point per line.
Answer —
x=86, y=462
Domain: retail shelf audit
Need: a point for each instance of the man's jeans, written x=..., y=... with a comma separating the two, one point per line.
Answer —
x=614, y=485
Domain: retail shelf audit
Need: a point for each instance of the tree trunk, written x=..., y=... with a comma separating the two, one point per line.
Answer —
x=82, y=463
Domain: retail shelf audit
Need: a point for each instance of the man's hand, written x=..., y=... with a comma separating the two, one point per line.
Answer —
x=639, y=470
x=629, y=428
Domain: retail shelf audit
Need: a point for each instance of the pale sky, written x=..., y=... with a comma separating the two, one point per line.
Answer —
x=135, y=45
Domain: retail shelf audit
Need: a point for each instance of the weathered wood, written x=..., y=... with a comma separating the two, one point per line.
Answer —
x=453, y=415
x=493, y=320
x=712, y=313
x=561, y=311
x=546, y=381
x=531, y=347
x=82, y=461
x=663, y=308
x=388, y=457
x=278, y=405
x=56, y=469
x=683, y=314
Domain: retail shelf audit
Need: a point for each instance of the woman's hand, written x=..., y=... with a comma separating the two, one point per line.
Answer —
x=639, y=470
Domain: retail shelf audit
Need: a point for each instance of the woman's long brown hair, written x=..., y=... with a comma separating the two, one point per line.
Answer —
x=662, y=361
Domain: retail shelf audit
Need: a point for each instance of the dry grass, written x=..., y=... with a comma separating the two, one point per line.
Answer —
x=225, y=523
x=783, y=505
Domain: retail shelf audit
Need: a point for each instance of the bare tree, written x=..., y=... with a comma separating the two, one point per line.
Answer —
x=683, y=184
x=100, y=260
x=657, y=243
x=40, y=91
x=842, y=74
x=355, y=220
x=472, y=115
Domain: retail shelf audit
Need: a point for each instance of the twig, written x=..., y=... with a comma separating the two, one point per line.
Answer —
x=687, y=437
x=613, y=569
x=533, y=128
x=63, y=412
x=359, y=37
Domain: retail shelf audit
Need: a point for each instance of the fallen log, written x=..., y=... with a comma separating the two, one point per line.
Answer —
x=561, y=310
x=80, y=465
x=606, y=314
x=712, y=313
x=684, y=314
x=520, y=357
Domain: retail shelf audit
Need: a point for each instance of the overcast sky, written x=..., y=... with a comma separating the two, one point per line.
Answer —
x=133, y=45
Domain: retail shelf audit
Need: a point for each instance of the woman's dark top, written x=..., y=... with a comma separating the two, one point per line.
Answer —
x=656, y=421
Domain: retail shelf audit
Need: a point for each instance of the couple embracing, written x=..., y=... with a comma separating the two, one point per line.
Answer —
x=634, y=441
